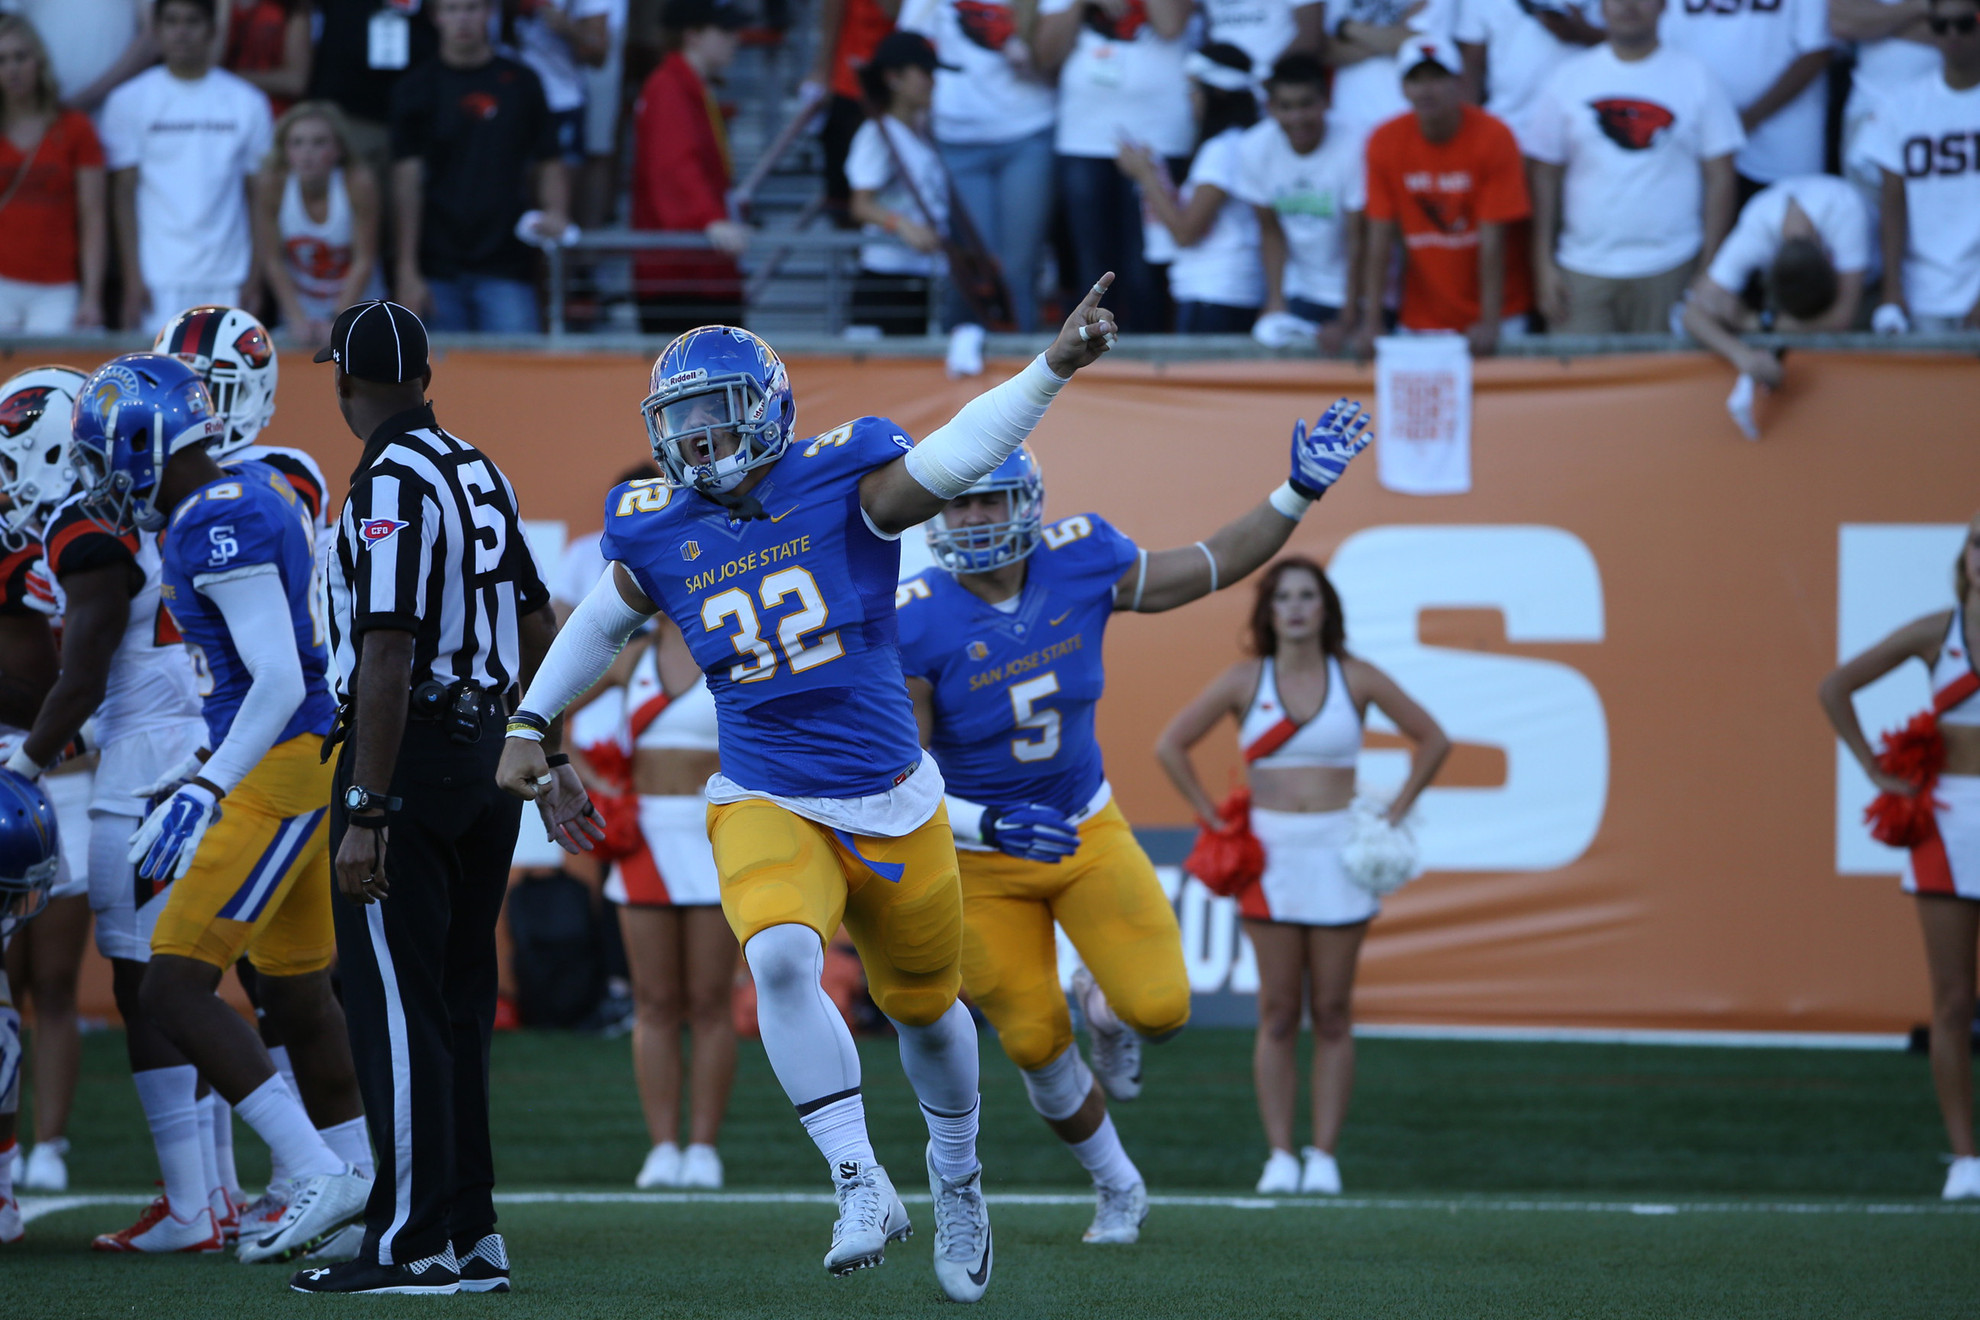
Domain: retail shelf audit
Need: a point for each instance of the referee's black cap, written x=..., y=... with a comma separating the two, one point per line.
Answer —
x=379, y=341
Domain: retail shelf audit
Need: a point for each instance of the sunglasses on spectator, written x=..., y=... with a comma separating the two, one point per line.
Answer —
x=1963, y=25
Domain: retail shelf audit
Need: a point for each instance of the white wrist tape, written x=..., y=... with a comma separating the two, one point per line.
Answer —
x=586, y=645
x=965, y=818
x=1289, y=501
x=24, y=765
x=987, y=430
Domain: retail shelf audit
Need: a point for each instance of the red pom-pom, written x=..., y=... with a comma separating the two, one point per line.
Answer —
x=1228, y=858
x=1916, y=753
x=621, y=815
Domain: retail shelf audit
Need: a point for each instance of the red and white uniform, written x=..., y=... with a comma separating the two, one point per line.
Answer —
x=1304, y=883
x=675, y=866
x=1950, y=863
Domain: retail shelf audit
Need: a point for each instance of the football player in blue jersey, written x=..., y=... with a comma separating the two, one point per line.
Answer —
x=1001, y=643
x=778, y=558
x=239, y=556
x=30, y=856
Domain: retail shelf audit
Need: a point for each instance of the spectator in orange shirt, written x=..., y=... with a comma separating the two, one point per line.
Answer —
x=54, y=243
x=1447, y=177
x=849, y=31
x=681, y=175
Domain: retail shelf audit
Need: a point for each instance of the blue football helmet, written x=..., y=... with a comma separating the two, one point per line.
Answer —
x=133, y=414
x=30, y=851
x=718, y=380
x=989, y=546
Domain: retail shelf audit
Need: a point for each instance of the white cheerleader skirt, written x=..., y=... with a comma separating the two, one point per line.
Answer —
x=1950, y=864
x=1304, y=882
x=675, y=865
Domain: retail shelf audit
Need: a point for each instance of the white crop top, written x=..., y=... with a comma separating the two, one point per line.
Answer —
x=1956, y=666
x=684, y=723
x=1332, y=738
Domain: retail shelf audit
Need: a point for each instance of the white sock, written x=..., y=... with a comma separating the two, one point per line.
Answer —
x=351, y=1144
x=941, y=1061
x=223, y=1144
x=172, y=1109
x=952, y=1141
x=839, y=1129
x=277, y=1117
x=1103, y=1156
x=277, y=1173
x=209, y=1157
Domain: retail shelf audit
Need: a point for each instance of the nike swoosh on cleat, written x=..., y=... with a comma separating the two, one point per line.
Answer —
x=982, y=1270
x=785, y=514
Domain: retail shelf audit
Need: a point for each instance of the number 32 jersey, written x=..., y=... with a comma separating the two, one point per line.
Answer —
x=790, y=615
x=249, y=524
x=1015, y=692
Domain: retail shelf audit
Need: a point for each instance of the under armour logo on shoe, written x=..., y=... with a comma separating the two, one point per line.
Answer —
x=315, y=1276
x=849, y=1168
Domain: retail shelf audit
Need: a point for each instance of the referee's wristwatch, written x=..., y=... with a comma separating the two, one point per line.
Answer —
x=358, y=798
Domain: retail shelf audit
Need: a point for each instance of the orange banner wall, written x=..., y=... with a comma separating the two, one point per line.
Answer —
x=1622, y=624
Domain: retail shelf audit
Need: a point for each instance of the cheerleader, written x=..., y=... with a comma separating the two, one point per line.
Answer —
x=1942, y=870
x=1299, y=705
x=679, y=948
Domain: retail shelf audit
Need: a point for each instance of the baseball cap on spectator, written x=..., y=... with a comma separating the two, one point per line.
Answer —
x=1417, y=51
x=378, y=341
x=687, y=15
x=901, y=49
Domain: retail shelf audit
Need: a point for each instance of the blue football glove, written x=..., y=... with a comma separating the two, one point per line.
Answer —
x=1321, y=454
x=1034, y=832
x=164, y=845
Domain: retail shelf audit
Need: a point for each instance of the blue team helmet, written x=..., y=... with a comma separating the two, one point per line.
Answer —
x=133, y=413
x=30, y=851
x=989, y=546
x=718, y=380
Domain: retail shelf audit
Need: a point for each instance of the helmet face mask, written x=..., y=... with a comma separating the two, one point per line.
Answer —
x=987, y=546
x=719, y=408
x=36, y=472
x=232, y=352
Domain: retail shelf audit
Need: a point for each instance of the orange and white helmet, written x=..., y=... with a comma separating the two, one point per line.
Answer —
x=36, y=472
x=234, y=355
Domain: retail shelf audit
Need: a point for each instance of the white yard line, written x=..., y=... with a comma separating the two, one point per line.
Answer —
x=34, y=1207
x=1789, y=1040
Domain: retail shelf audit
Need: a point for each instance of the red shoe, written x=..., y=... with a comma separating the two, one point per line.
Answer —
x=506, y=1017
x=157, y=1232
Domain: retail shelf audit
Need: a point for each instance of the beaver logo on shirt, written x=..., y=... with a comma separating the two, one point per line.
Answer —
x=1631, y=124
x=988, y=25
x=1124, y=27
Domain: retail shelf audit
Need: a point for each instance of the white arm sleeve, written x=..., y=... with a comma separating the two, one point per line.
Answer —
x=586, y=645
x=987, y=431
x=252, y=603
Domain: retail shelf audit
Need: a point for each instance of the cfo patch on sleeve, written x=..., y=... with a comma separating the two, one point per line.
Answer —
x=374, y=530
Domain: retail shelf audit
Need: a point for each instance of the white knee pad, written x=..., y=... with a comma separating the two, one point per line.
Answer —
x=10, y=1054
x=1059, y=1088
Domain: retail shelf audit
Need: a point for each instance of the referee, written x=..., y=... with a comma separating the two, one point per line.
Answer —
x=438, y=610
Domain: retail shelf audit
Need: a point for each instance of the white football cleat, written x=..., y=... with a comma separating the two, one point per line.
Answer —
x=45, y=1170
x=701, y=1167
x=1319, y=1175
x=962, y=1233
x=339, y=1246
x=1962, y=1179
x=1281, y=1176
x=1117, y=1214
x=870, y=1216
x=318, y=1208
x=1116, y=1049
x=12, y=1226
x=157, y=1232
x=662, y=1168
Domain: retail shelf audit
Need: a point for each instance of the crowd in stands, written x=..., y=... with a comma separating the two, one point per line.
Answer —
x=1332, y=170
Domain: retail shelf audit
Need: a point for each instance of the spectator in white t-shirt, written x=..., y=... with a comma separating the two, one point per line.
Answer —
x=1510, y=46
x=1632, y=148
x=182, y=141
x=1894, y=52
x=1930, y=153
x=560, y=39
x=1301, y=171
x=1266, y=29
x=900, y=194
x=994, y=125
x=1121, y=81
x=1794, y=262
x=1216, y=277
x=1364, y=38
x=1773, y=59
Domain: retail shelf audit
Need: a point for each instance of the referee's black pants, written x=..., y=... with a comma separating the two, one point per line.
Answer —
x=418, y=973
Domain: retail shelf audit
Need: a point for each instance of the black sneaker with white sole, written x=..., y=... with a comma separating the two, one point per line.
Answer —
x=485, y=1265
x=437, y=1275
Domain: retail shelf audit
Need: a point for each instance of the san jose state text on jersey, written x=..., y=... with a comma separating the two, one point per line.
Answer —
x=239, y=526
x=1015, y=693
x=791, y=615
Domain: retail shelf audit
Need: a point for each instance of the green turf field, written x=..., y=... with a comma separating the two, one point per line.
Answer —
x=1483, y=1180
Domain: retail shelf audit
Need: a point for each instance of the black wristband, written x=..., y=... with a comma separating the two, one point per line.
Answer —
x=556, y=759
x=1302, y=490
x=377, y=822
x=529, y=719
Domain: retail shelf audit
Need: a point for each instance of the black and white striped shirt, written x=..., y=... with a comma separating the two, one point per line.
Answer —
x=430, y=543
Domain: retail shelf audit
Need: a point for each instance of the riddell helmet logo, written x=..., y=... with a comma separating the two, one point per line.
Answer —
x=690, y=550
x=1631, y=124
x=23, y=409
